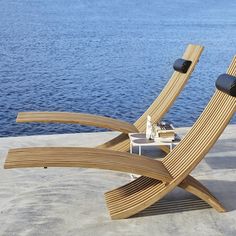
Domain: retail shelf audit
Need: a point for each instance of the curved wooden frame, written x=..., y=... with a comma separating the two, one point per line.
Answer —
x=132, y=198
x=157, y=109
x=88, y=158
x=171, y=172
x=77, y=118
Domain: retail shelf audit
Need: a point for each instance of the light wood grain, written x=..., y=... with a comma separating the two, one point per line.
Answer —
x=76, y=118
x=87, y=158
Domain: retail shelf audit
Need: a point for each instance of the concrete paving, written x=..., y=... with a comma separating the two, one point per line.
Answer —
x=69, y=201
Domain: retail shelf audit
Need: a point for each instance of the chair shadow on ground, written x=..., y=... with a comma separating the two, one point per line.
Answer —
x=181, y=201
x=228, y=161
x=176, y=206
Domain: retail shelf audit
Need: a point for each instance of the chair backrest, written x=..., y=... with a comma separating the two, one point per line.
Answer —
x=205, y=132
x=172, y=89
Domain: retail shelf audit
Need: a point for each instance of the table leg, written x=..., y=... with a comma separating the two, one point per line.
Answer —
x=139, y=150
x=131, y=148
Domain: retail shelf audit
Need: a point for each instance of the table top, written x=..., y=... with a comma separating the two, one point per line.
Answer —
x=139, y=139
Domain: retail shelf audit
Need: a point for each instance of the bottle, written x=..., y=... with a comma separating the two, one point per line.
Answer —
x=149, y=128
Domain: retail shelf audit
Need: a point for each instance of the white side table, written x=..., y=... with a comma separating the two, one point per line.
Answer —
x=139, y=140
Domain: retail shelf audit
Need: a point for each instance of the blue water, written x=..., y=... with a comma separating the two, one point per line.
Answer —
x=107, y=57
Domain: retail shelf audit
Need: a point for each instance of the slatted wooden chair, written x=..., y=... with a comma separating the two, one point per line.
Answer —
x=182, y=72
x=158, y=177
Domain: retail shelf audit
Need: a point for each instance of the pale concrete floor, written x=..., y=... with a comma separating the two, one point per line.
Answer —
x=69, y=201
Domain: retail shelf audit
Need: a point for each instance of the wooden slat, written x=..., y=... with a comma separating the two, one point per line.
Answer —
x=77, y=118
x=86, y=158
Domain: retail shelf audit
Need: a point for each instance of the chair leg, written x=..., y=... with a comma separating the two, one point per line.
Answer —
x=193, y=186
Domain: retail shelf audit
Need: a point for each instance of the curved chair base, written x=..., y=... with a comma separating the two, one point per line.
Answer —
x=136, y=196
x=193, y=186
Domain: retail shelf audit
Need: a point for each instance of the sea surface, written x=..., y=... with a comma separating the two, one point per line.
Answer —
x=107, y=57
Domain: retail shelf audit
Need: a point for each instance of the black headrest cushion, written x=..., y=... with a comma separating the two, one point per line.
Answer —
x=227, y=84
x=182, y=65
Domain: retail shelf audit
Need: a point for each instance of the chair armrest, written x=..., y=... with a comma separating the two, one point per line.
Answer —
x=86, y=158
x=77, y=118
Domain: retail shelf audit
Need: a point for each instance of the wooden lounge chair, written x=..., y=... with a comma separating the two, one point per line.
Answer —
x=158, y=177
x=157, y=110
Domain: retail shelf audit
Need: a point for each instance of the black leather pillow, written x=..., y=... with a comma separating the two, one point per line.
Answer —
x=182, y=65
x=227, y=84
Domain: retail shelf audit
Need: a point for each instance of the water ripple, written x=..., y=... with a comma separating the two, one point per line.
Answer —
x=109, y=58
